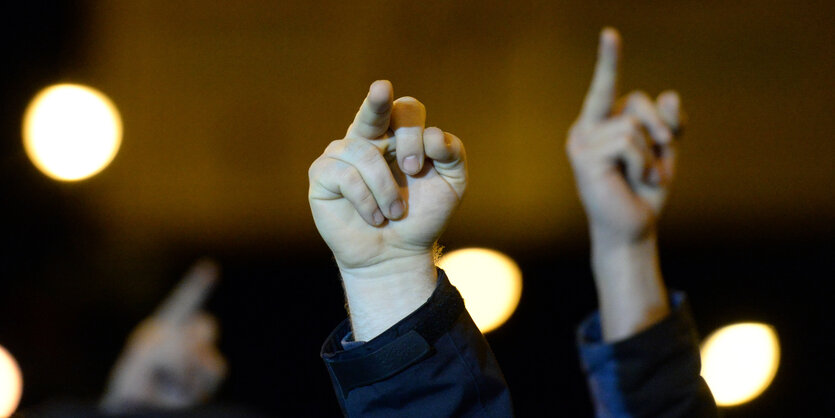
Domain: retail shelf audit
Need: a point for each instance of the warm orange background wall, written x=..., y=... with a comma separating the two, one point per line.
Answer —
x=225, y=105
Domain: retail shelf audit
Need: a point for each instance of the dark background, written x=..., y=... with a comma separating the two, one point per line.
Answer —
x=226, y=104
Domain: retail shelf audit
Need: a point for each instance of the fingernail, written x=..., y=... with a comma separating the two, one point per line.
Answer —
x=378, y=217
x=411, y=164
x=396, y=209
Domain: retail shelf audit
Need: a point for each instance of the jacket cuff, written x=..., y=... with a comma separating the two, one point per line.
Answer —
x=649, y=372
x=400, y=346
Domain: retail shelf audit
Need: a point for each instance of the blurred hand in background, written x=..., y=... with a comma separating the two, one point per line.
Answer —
x=170, y=360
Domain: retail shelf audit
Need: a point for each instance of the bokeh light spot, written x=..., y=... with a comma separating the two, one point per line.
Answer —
x=11, y=383
x=489, y=281
x=71, y=132
x=739, y=361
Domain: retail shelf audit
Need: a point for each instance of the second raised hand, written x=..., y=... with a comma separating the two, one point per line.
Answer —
x=623, y=154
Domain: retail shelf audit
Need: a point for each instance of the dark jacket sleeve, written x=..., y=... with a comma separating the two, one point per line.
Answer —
x=652, y=374
x=435, y=362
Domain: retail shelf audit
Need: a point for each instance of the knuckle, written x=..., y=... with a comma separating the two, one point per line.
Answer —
x=409, y=139
x=312, y=172
x=357, y=191
x=578, y=138
x=434, y=130
x=571, y=145
x=366, y=200
x=352, y=179
x=634, y=140
x=638, y=97
x=385, y=187
x=632, y=122
x=315, y=169
x=669, y=96
x=363, y=153
x=576, y=147
x=571, y=150
x=389, y=191
x=334, y=147
x=369, y=155
x=622, y=141
x=435, y=135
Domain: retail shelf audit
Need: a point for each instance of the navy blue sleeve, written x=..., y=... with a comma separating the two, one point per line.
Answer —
x=652, y=374
x=435, y=362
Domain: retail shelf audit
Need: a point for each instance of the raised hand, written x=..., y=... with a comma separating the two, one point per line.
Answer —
x=380, y=198
x=170, y=360
x=623, y=153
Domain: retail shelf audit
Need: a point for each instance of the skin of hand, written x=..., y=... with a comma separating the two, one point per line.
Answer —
x=380, y=198
x=623, y=156
x=170, y=360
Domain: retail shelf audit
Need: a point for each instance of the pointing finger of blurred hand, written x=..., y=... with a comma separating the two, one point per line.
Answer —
x=372, y=120
x=408, y=118
x=601, y=95
x=190, y=294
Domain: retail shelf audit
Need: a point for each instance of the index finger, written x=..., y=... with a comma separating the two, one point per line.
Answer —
x=372, y=120
x=601, y=96
x=190, y=293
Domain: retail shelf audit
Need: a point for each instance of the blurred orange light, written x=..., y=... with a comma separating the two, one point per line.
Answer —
x=71, y=132
x=739, y=361
x=11, y=383
x=489, y=281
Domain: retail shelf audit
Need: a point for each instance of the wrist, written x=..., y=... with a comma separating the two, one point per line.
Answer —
x=395, y=268
x=606, y=236
x=381, y=295
x=629, y=285
x=607, y=247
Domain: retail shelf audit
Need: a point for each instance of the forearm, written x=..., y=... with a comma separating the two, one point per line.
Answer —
x=381, y=295
x=630, y=288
